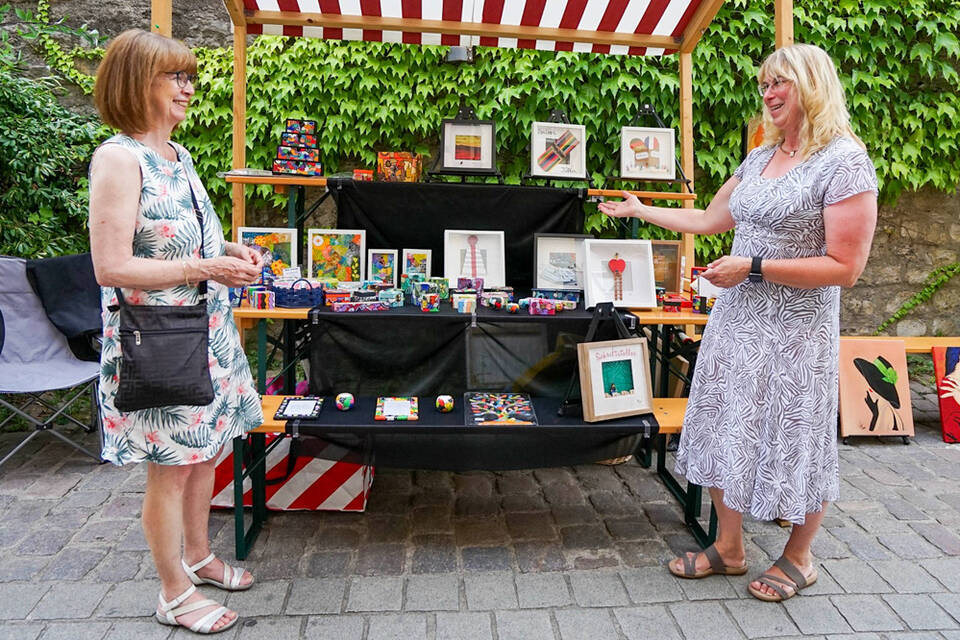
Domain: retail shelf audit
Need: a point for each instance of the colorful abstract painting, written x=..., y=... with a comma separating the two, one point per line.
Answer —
x=947, y=373
x=336, y=253
x=277, y=246
x=874, y=389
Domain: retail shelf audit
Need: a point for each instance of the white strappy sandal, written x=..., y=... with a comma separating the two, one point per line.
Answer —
x=169, y=611
x=231, y=576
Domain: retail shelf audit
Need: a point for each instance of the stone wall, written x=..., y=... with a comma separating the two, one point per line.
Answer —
x=920, y=233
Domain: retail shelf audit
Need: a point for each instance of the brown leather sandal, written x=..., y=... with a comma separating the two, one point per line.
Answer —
x=785, y=589
x=717, y=566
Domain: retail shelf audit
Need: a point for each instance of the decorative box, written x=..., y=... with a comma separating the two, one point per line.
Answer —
x=672, y=303
x=391, y=297
x=557, y=294
x=457, y=296
x=407, y=281
x=354, y=307
x=569, y=305
x=421, y=289
x=373, y=285
x=494, y=300
x=363, y=295
x=335, y=295
x=363, y=175
x=263, y=299
x=700, y=304
x=505, y=291
x=305, y=127
x=513, y=307
x=470, y=283
x=661, y=292
x=304, y=154
x=442, y=287
x=398, y=166
x=465, y=304
x=297, y=167
x=542, y=307
x=430, y=302
x=328, y=283
x=289, y=139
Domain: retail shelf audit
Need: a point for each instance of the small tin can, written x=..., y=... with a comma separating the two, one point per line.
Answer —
x=661, y=292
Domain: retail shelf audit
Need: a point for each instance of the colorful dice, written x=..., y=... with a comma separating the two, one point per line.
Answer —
x=344, y=401
x=444, y=404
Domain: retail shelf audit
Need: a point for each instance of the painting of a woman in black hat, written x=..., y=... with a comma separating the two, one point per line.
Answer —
x=882, y=398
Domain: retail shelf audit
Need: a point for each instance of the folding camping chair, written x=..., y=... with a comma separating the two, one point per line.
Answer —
x=35, y=358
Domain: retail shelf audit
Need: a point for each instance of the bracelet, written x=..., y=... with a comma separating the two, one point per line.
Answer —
x=186, y=280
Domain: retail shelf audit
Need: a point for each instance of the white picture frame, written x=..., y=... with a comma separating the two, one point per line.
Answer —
x=648, y=153
x=414, y=258
x=272, y=243
x=349, y=244
x=639, y=288
x=614, y=379
x=483, y=257
x=558, y=150
x=558, y=261
x=379, y=260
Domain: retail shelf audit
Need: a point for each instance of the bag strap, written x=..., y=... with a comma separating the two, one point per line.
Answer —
x=201, y=285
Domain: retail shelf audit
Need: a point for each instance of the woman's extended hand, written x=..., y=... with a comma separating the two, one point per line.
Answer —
x=230, y=271
x=245, y=253
x=629, y=207
x=728, y=271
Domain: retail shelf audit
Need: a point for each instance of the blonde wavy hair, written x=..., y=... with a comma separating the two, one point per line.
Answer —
x=814, y=78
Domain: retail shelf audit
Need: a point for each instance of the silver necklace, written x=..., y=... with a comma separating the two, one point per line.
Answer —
x=789, y=153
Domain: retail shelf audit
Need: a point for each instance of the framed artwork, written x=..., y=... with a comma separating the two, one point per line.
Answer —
x=614, y=379
x=474, y=254
x=468, y=147
x=647, y=154
x=752, y=134
x=558, y=150
x=668, y=264
x=619, y=271
x=417, y=261
x=336, y=253
x=276, y=245
x=382, y=265
x=558, y=261
x=874, y=390
x=946, y=370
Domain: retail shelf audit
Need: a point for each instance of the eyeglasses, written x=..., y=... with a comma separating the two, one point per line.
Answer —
x=763, y=86
x=183, y=77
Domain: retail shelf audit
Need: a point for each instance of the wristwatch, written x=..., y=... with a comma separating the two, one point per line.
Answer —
x=755, y=274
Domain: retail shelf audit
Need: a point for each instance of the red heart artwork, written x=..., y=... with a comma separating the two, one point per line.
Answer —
x=617, y=265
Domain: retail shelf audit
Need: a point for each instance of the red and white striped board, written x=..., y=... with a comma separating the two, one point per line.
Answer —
x=647, y=17
x=313, y=485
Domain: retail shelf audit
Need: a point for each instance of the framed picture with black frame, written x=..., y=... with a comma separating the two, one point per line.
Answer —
x=468, y=147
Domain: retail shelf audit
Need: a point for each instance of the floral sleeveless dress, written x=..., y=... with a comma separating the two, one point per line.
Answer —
x=167, y=229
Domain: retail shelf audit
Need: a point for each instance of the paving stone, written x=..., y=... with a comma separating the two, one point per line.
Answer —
x=73, y=564
x=382, y=593
x=665, y=517
x=939, y=536
x=704, y=621
x=314, y=596
x=563, y=494
x=826, y=546
x=387, y=529
x=551, y=476
x=906, y=577
x=598, y=589
x=432, y=593
x=130, y=600
x=523, y=502
x=434, y=554
x=490, y=591
x=434, y=498
x=44, y=542
x=860, y=544
x=855, y=576
x=635, y=528
x=487, y=558
x=337, y=538
x=380, y=559
x=920, y=612
x=716, y=588
x=18, y=598
x=474, y=484
x=74, y=600
x=17, y=568
x=267, y=628
x=585, y=624
x=464, y=626
x=589, y=559
x=759, y=620
x=573, y=514
x=406, y=626
x=53, y=487
x=133, y=541
x=341, y=627
x=884, y=475
x=20, y=630
x=653, y=584
x=122, y=506
x=102, y=531
x=264, y=599
x=539, y=556
x=139, y=629
x=950, y=603
x=524, y=625
x=326, y=564
x=432, y=519
x=599, y=478
x=909, y=546
x=395, y=481
x=946, y=570
x=648, y=621
x=530, y=526
x=517, y=484
x=536, y=591
x=585, y=536
x=476, y=506
x=485, y=531
x=645, y=553
x=866, y=613
x=816, y=614
x=86, y=630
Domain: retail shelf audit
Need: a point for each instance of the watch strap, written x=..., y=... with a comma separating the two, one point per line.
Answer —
x=756, y=275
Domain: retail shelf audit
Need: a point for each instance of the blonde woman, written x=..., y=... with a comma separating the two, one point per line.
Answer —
x=760, y=427
x=146, y=240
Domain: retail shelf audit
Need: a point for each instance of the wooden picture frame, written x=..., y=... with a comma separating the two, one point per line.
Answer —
x=339, y=254
x=552, y=266
x=474, y=254
x=558, y=151
x=874, y=389
x=648, y=153
x=638, y=288
x=468, y=147
x=382, y=265
x=668, y=264
x=273, y=244
x=417, y=261
x=614, y=379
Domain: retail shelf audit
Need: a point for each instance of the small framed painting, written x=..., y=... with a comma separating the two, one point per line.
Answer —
x=558, y=150
x=946, y=371
x=468, y=147
x=337, y=254
x=668, y=264
x=382, y=265
x=614, y=379
x=474, y=254
x=874, y=390
x=558, y=261
x=277, y=246
x=619, y=271
x=647, y=154
x=417, y=261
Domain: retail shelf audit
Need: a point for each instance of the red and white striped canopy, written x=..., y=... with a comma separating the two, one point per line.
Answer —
x=626, y=27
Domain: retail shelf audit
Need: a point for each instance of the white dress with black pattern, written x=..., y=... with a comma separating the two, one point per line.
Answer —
x=762, y=415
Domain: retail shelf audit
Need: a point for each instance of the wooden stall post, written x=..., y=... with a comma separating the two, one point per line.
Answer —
x=239, y=123
x=783, y=21
x=161, y=17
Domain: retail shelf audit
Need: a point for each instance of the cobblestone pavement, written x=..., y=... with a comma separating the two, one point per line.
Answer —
x=553, y=553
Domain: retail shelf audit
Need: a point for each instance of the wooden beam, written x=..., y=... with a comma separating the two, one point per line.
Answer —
x=699, y=23
x=161, y=17
x=239, y=122
x=411, y=25
x=235, y=9
x=783, y=20
x=686, y=148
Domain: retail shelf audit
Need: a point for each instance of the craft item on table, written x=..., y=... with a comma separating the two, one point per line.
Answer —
x=542, y=307
x=410, y=281
x=397, y=408
x=363, y=175
x=363, y=295
x=335, y=295
x=444, y=404
x=569, y=305
x=297, y=167
x=263, y=300
x=398, y=166
x=294, y=407
x=344, y=401
x=303, y=127
x=328, y=283
x=661, y=292
x=672, y=303
x=348, y=285
x=465, y=305
x=369, y=284
x=391, y=297
x=700, y=304
x=289, y=294
x=470, y=283
x=421, y=289
x=289, y=139
x=303, y=154
x=236, y=296
x=557, y=294
x=430, y=302
x=513, y=307
x=442, y=286
x=712, y=300
x=494, y=300
x=291, y=273
x=617, y=266
x=524, y=303
x=356, y=307
x=504, y=291
x=498, y=409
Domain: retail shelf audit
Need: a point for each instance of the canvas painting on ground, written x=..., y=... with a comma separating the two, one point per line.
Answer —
x=874, y=389
x=946, y=369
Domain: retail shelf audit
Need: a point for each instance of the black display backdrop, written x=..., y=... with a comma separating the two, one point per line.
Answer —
x=399, y=215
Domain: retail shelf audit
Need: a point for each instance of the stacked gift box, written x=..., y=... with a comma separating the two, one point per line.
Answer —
x=298, y=152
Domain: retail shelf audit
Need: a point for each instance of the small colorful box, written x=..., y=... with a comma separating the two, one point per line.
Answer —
x=363, y=295
x=408, y=281
x=328, y=283
x=494, y=300
x=430, y=302
x=335, y=295
x=297, y=140
x=557, y=294
x=296, y=167
x=465, y=304
x=391, y=297
x=363, y=175
x=513, y=307
x=304, y=127
x=505, y=291
x=672, y=303
x=470, y=283
x=542, y=307
x=355, y=307
x=398, y=166
x=303, y=154
x=442, y=286
x=700, y=304
x=661, y=292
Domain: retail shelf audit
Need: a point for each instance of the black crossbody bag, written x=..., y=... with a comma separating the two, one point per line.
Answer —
x=164, y=350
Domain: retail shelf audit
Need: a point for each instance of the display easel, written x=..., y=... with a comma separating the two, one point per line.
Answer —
x=558, y=116
x=648, y=112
